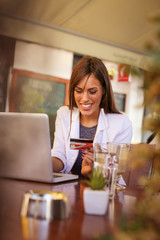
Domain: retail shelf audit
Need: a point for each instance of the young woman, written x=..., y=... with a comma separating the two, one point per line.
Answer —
x=91, y=114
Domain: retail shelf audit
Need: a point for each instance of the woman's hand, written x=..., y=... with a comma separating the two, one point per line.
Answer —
x=88, y=161
x=58, y=164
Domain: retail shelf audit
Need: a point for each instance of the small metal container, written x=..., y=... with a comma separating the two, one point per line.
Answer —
x=45, y=205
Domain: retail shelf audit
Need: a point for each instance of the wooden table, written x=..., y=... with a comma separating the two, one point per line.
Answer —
x=78, y=226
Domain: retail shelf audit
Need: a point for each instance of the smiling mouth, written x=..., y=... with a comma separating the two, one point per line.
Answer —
x=86, y=105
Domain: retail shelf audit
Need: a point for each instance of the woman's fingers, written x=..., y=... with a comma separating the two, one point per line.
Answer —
x=86, y=167
x=88, y=156
x=87, y=163
x=87, y=160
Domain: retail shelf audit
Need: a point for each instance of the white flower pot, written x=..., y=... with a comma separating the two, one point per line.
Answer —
x=95, y=201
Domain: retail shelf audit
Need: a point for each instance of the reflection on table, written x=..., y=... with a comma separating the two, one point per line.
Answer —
x=78, y=226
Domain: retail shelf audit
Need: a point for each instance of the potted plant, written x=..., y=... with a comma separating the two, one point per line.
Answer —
x=96, y=195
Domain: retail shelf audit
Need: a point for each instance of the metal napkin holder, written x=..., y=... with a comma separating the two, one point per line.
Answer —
x=45, y=205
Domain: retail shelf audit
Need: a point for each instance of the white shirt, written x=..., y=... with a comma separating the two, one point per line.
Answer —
x=111, y=127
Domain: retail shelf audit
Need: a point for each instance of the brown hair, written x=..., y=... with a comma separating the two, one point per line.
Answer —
x=92, y=65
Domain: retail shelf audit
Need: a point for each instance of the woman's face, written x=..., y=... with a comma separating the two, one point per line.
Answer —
x=88, y=94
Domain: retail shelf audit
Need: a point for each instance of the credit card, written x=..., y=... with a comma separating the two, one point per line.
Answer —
x=80, y=143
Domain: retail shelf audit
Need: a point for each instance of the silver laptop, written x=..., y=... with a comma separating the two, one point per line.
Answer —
x=25, y=150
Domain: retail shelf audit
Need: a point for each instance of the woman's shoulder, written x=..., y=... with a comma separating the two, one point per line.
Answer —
x=63, y=113
x=119, y=118
x=63, y=109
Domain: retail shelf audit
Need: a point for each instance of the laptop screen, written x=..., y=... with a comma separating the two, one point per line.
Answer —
x=25, y=147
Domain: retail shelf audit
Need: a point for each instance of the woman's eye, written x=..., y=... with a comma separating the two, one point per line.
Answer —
x=78, y=91
x=92, y=92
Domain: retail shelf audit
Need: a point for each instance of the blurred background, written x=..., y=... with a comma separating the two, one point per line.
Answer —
x=40, y=42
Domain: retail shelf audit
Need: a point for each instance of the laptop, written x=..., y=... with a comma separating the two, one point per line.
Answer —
x=25, y=148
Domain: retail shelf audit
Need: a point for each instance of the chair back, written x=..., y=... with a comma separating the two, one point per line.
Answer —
x=142, y=153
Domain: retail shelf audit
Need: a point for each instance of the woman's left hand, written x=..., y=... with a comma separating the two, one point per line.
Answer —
x=88, y=161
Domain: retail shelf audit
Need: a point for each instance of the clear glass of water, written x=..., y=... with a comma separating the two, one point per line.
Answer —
x=106, y=162
x=120, y=151
x=100, y=157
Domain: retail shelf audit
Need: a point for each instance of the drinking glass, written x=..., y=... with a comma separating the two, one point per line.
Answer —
x=103, y=160
x=120, y=151
x=100, y=157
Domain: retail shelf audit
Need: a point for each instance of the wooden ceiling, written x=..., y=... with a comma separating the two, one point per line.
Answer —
x=95, y=27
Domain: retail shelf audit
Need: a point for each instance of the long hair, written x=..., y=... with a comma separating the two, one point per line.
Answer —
x=85, y=67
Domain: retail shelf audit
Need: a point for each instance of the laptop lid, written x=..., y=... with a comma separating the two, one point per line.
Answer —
x=25, y=149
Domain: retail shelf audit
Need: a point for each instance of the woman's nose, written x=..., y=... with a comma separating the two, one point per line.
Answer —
x=85, y=96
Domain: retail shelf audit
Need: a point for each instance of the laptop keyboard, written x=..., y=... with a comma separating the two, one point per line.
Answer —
x=56, y=175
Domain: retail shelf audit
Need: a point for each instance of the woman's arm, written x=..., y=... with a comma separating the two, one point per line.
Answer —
x=58, y=152
x=57, y=164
